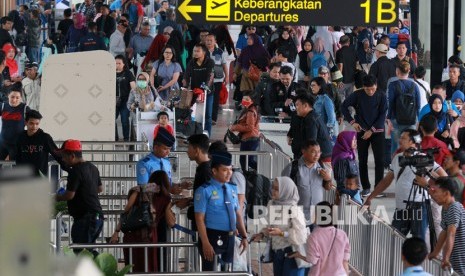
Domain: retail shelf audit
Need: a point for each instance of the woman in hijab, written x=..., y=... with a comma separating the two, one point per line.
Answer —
x=458, y=98
x=435, y=103
x=141, y=97
x=157, y=192
x=286, y=41
x=286, y=236
x=303, y=63
x=155, y=52
x=254, y=53
x=343, y=158
x=76, y=32
x=10, y=73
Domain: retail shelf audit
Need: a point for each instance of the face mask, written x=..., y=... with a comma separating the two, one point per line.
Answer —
x=142, y=84
x=246, y=103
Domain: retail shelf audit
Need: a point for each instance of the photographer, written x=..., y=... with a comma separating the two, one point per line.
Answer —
x=412, y=219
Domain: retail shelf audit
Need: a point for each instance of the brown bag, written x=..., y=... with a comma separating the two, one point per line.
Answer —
x=254, y=72
x=186, y=99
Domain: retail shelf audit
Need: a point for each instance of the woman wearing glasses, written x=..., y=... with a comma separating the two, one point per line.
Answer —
x=165, y=72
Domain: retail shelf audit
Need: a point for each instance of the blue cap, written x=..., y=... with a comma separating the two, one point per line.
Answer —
x=221, y=158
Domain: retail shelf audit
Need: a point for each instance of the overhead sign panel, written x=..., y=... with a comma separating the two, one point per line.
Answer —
x=290, y=12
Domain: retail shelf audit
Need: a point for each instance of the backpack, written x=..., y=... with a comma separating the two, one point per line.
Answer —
x=318, y=60
x=258, y=191
x=406, y=105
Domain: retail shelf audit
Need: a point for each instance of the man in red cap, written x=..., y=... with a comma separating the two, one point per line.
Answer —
x=82, y=190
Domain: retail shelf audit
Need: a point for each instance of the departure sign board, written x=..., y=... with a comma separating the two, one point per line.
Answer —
x=289, y=12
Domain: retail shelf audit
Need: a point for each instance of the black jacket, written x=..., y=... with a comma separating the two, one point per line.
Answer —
x=451, y=89
x=35, y=150
x=279, y=94
x=108, y=26
x=310, y=127
x=262, y=95
x=383, y=69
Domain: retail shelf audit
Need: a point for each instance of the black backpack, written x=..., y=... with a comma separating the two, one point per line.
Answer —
x=406, y=105
x=258, y=191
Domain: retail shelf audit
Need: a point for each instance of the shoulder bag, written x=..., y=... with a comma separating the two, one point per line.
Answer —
x=157, y=80
x=254, y=72
x=139, y=216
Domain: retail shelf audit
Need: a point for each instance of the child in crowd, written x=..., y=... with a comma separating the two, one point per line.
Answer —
x=163, y=121
x=12, y=113
x=458, y=98
x=351, y=189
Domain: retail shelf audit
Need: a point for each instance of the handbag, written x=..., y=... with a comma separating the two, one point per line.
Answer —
x=254, y=72
x=336, y=74
x=157, y=80
x=185, y=100
x=268, y=254
x=223, y=94
x=139, y=216
x=231, y=136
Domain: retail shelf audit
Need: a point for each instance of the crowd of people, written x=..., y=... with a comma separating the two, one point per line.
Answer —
x=343, y=89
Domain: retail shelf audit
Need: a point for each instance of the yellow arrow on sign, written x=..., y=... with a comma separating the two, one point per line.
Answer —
x=185, y=9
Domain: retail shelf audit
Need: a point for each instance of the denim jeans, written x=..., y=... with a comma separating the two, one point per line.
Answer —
x=208, y=113
x=395, y=134
x=414, y=220
x=87, y=229
x=216, y=100
x=249, y=145
x=283, y=266
x=33, y=53
x=124, y=112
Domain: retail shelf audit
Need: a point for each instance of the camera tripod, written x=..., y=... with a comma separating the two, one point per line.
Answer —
x=412, y=206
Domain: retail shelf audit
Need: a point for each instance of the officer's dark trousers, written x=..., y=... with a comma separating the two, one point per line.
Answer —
x=226, y=250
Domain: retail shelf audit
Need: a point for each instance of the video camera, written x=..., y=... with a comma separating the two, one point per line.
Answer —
x=420, y=159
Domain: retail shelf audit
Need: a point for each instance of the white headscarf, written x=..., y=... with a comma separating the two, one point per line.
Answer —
x=288, y=193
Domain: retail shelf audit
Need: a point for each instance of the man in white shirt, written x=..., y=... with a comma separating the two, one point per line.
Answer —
x=405, y=220
x=423, y=86
x=117, y=45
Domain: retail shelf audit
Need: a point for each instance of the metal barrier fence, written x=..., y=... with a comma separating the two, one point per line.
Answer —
x=375, y=245
x=61, y=236
x=280, y=159
x=190, y=263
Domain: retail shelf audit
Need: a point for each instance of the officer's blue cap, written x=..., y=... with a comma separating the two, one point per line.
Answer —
x=221, y=158
x=164, y=137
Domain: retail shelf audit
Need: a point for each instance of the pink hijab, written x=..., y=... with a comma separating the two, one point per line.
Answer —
x=81, y=21
x=343, y=147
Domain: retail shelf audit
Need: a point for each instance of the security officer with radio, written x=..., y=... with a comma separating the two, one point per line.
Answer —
x=157, y=159
x=217, y=214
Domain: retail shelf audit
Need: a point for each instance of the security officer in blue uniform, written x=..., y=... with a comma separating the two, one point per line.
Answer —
x=218, y=215
x=158, y=159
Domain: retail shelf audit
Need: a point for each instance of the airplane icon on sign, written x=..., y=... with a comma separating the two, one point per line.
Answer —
x=217, y=5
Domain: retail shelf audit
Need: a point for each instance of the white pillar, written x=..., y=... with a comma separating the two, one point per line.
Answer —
x=450, y=29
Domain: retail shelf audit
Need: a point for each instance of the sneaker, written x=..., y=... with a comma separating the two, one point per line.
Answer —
x=381, y=195
x=213, y=123
x=366, y=192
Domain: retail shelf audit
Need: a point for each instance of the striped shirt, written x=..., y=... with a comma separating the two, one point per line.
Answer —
x=455, y=215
